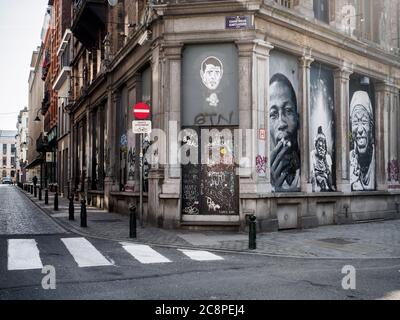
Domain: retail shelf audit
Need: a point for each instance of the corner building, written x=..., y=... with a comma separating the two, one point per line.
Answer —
x=316, y=84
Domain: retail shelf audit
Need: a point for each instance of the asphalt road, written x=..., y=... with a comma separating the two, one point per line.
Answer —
x=87, y=268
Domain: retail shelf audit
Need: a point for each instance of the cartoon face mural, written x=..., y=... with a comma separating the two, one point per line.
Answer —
x=284, y=126
x=362, y=154
x=211, y=72
x=322, y=155
x=210, y=85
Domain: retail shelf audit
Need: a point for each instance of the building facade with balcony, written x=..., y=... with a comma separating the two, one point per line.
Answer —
x=35, y=158
x=22, y=145
x=300, y=101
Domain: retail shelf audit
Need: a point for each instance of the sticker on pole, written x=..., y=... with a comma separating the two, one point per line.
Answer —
x=141, y=111
x=141, y=126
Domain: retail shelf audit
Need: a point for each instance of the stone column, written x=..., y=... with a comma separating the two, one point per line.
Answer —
x=383, y=98
x=88, y=151
x=245, y=143
x=134, y=96
x=304, y=113
x=253, y=115
x=342, y=106
x=156, y=173
x=170, y=190
x=109, y=145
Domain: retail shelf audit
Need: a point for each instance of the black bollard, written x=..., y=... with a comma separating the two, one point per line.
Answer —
x=31, y=189
x=35, y=191
x=56, y=201
x=132, y=221
x=252, y=232
x=40, y=194
x=71, y=208
x=83, y=214
x=46, y=196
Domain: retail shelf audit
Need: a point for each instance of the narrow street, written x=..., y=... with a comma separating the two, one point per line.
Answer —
x=89, y=268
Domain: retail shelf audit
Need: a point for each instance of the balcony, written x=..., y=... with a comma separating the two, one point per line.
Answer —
x=89, y=18
x=45, y=102
x=42, y=143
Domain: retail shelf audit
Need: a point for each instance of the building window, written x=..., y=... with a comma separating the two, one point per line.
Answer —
x=285, y=3
x=4, y=173
x=321, y=10
x=13, y=150
x=98, y=149
x=13, y=161
x=12, y=174
x=4, y=149
x=4, y=161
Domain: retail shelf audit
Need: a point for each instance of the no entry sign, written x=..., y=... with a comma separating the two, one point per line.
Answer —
x=141, y=111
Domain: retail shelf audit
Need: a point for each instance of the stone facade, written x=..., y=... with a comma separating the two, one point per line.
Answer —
x=136, y=52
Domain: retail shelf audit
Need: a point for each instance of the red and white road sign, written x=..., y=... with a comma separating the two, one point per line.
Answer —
x=141, y=111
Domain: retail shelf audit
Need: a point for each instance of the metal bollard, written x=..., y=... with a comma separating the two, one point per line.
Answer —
x=252, y=232
x=46, y=196
x=132, y=221
x=56, y=201
x=31, y=189
x=71, y=208
x=40, y=194
x=35, y=191
x=83, y=214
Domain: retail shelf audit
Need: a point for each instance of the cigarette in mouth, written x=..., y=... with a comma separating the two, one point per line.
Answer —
x=286, y=143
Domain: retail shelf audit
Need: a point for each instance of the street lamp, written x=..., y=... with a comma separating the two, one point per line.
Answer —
x=37, y=119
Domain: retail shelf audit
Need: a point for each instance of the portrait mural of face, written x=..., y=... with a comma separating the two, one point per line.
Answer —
x=362, y=154
x=284, y=126
x=211, y=72
x=210, y=85
x=284, y=122
x=322, y=155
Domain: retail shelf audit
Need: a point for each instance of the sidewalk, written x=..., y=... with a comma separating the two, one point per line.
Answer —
x=374, y=240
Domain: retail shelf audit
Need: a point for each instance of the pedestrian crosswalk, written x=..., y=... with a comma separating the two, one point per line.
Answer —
x=84, y=253
x=28, y=254
x=144, y=253
x=23, y=254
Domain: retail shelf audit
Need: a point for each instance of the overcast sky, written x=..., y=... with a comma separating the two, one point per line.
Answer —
x=20, y=27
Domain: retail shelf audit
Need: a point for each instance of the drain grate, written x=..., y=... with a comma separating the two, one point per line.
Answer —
x=340, y=241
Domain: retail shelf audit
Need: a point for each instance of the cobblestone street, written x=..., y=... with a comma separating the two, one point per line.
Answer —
x=18, y=215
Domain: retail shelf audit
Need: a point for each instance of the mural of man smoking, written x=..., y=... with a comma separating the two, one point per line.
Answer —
x=284, y=126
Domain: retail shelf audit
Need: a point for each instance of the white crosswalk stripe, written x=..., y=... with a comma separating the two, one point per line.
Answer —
x=23, y=254
x=144, y=254
x=84, y=253
x=199, y=255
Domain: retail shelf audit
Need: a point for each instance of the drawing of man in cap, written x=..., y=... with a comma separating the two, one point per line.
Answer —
x=321, y=165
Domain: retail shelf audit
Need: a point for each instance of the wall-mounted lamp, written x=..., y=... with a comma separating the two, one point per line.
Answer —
x=37, y=119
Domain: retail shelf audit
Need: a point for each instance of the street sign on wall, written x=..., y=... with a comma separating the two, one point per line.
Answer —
x=141, y=111
x=49, y=156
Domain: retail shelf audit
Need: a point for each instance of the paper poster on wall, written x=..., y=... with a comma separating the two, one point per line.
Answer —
x=210, y=85
x=362, y=138
x=322, y=129
x=284, y=123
